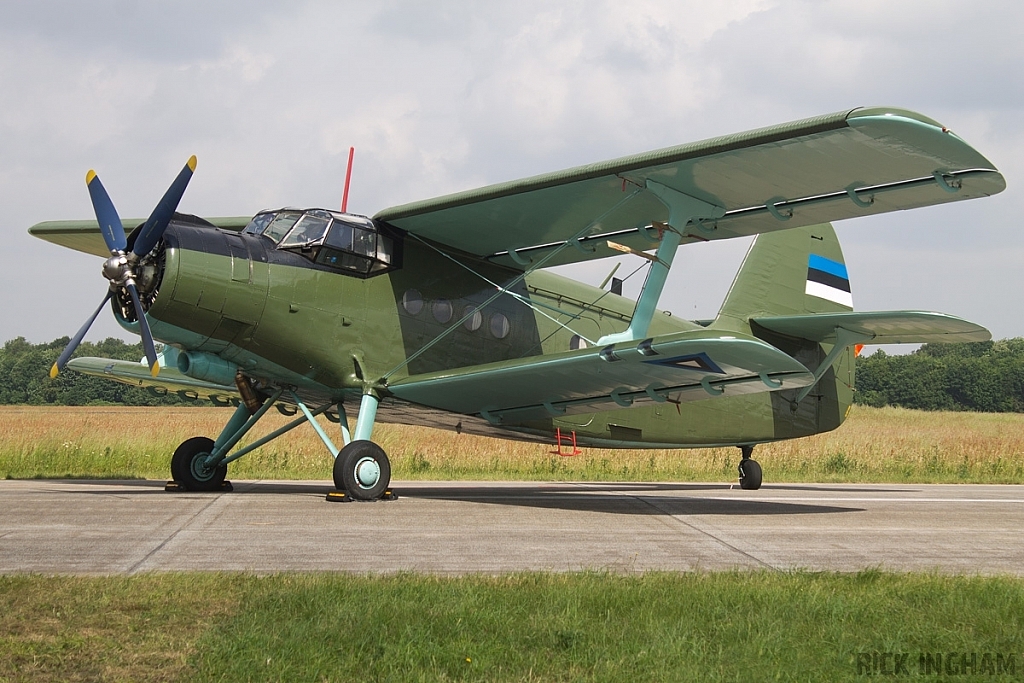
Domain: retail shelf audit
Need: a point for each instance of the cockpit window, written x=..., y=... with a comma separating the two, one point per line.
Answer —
x=348, y=243
x=258, y=223
x=309, y=229
x=281, y=224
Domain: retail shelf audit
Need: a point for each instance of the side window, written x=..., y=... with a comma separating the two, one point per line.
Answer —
x=258, y=223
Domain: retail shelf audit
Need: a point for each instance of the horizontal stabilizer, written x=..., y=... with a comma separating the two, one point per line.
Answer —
x=883, y=327
x=678, y=368
x=170, y=380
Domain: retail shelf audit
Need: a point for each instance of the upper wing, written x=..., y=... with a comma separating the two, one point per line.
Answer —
x=851, y=163
x=85, y=235
x=681, y=367
x=883, y=327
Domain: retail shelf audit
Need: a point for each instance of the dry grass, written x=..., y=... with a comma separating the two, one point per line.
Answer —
x=889, y=444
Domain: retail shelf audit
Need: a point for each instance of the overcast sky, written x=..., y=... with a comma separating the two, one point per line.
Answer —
x=444, y=96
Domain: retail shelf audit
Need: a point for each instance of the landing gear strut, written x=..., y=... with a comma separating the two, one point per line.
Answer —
x=750, y=470
x=361, y=469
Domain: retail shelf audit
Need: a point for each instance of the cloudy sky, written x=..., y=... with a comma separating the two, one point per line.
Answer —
x=443, y=96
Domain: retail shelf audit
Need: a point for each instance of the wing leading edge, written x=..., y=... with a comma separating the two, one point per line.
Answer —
x=683, y=367
x=852, y=163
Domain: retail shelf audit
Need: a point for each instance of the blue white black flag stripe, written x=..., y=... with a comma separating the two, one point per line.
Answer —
x=827, y=279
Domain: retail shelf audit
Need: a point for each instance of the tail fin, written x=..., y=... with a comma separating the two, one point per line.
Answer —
x=788, y=272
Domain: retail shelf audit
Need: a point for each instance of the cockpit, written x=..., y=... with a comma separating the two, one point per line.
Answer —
x=345, y=242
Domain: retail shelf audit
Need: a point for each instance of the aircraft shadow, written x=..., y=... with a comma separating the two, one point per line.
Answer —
x=616, y=499
x=609, y=498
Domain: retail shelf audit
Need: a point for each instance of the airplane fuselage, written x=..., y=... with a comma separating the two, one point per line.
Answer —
x=276, y=313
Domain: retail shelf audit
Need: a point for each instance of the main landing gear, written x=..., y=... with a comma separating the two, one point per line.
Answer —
x=750, y=470
x=362, y=470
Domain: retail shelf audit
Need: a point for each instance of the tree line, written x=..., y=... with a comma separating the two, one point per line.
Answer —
x=980, y=376
x=25, y=376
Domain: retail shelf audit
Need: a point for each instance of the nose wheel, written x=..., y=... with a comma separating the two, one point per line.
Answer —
x=189, y=466
x=362, y=470
x=750, y=470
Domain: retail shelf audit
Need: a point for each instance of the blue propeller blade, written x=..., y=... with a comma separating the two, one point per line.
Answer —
x=147, y=336
x=161, y=216
x=65, y=355
x=106, y=214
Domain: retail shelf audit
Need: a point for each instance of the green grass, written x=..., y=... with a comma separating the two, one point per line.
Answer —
x=551, y=627
x=875, y=445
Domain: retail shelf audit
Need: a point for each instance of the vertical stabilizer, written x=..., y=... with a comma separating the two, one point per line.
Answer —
x=788, y=272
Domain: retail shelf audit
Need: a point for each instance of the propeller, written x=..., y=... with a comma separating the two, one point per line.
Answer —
x=119, y=269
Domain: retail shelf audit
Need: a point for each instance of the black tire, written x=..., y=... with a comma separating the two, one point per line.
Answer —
x=362, y=470
x=750, y=475
x=186, y=469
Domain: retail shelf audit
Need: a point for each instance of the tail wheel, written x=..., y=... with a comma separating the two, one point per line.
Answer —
x=189, y=468
x=750, y=474
x=362, y=470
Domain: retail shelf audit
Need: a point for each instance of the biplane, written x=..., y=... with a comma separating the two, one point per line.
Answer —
x=441, y=312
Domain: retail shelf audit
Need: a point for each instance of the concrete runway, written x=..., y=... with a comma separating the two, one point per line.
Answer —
x=126, y=527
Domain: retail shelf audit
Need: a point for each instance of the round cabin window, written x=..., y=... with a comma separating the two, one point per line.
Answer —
x=412, y=302
x=442, y=310
x=499, y=326
x=475, y=319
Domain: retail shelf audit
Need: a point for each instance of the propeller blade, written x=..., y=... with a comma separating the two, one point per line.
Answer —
x=161, y=216
x=65, y=355
x=106, y=214
x=147, y=336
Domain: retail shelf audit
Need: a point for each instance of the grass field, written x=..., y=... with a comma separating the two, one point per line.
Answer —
x=540, y=627
x=875, y=445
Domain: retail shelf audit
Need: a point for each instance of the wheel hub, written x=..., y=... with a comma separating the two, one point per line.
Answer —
x=200, y=466
x=367, y=472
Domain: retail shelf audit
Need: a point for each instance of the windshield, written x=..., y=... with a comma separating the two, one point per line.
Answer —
x=308, y=229
x=281, y=224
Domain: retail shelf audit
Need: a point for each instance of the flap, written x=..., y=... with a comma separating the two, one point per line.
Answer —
x=852, y=163
x=85, y=235
x=170, y=380
x=884, y=327
x=679, y=368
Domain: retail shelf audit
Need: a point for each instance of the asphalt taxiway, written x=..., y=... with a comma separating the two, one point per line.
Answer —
x=126, y=527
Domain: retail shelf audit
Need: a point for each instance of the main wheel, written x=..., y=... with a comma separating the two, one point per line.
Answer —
x=362, y=470
x=750, y=474
x=188, y=466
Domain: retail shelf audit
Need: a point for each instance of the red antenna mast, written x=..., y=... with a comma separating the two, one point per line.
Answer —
x=348, y=178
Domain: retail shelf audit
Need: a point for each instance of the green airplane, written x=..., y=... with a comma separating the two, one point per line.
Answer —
x=439, y=313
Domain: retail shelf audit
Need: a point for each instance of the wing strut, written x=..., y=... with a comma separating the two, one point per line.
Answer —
x=682, y=209
x=844, y=339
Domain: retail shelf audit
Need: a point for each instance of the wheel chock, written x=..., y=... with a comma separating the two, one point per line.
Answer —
x=175, y=487
x=343, y=497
